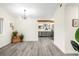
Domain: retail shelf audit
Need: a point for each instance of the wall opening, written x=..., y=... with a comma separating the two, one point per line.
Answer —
x=46, y=29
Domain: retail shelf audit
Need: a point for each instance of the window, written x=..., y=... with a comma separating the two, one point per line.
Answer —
x=1, y=25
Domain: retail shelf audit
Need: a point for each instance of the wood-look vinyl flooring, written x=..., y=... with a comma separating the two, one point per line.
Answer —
x=43, y=47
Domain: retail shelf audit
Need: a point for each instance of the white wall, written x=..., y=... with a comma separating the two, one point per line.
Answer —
x=5, y=37
x=28, y=28
x=59, y=29
x=64, y=32
x=71, y=12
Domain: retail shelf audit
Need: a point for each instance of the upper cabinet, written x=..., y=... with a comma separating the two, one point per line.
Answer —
x=45, y=25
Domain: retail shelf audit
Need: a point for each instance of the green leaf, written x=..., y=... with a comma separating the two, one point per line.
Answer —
x=77, y=35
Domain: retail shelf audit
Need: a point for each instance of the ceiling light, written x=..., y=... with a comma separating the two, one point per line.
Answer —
x=25, y=16
x=24, y=12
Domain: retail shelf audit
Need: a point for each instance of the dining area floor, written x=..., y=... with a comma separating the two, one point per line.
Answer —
x=42, y=47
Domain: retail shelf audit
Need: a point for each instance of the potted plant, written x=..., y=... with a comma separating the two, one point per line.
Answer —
x=14, y=35
x=21, y=37
x=77, y=35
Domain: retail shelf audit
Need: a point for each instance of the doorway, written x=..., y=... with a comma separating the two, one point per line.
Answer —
x=46, y=29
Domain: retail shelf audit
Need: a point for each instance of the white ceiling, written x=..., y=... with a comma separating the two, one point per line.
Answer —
x=39, y=10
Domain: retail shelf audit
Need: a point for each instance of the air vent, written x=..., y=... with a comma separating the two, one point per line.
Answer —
x=61, y=5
